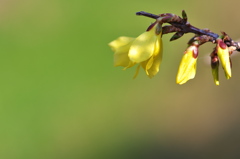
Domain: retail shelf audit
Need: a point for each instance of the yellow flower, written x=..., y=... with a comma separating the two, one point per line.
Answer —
x=145, y=50
x=223, y=54
x=187, y=68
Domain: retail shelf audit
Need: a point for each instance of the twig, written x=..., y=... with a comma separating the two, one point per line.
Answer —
x=181, y=27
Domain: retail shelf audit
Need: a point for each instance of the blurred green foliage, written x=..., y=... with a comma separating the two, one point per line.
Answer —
x=61, y=97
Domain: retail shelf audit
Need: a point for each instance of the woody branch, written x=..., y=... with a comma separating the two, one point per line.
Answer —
x=181, y=26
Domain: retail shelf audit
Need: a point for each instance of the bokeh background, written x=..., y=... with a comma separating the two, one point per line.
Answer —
x=61, y=97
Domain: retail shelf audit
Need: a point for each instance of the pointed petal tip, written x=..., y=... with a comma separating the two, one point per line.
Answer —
x=228, y=77
x=228, y=74
x=137, y=71
x=180, y=81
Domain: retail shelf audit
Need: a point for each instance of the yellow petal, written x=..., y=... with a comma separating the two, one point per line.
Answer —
x=119, y=42
x=121, y=48
x=143, y=46
x=157, y=59
x=137, y=71
x=121, y=56
x=147, y=64
x=130, y=64
x=187, y=68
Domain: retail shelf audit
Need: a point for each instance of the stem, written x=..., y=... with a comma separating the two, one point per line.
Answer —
x=186, y=28
x=148, y=15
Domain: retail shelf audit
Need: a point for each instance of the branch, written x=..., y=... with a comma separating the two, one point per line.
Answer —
x=181, y=27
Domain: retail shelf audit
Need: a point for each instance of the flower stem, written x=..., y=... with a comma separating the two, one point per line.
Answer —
x=186, y=27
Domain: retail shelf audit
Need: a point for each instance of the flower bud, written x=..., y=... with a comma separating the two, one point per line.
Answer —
x=223, y=54
x=184, y=15
x=215, y=66
x=187, y=68
x=177, y=35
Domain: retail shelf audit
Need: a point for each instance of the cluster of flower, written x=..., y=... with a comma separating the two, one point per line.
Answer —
x=146, y=52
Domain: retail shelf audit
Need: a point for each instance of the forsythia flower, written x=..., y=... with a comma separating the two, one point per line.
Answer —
x=223, y=54
x=187, y=68
x=145, y=50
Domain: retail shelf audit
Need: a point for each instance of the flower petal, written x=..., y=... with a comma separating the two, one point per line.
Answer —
x=157, y=59
x=187, y=68
x=130, y=64
x=137, y=71
x=189, y=73
x=149, y=63
x=119, y=42
x=121, y=56
x=121, y=48
x=143, y=46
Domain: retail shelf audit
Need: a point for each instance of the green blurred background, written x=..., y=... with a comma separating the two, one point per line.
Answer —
x=61, y=97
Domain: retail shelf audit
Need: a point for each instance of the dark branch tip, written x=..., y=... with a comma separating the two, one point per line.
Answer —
x=139, y=13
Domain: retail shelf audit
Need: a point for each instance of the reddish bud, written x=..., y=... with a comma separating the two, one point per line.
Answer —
x=221, y=44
